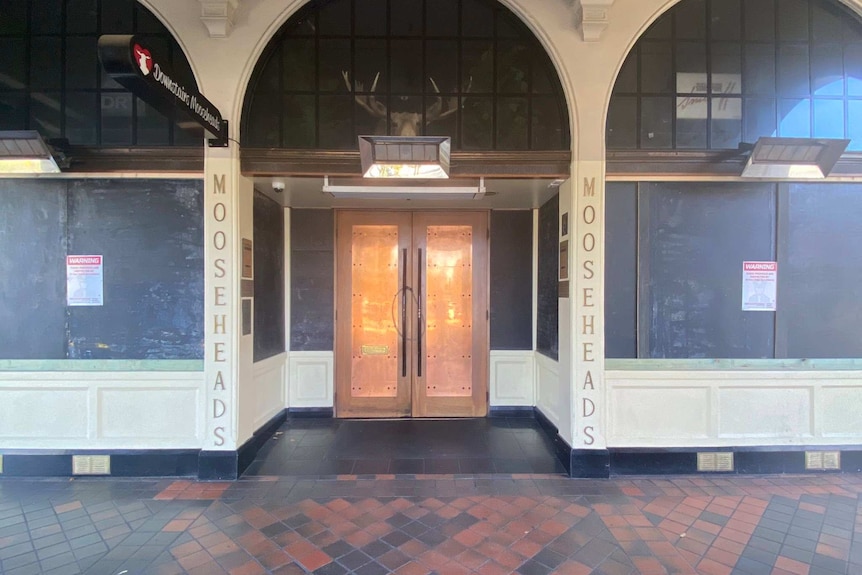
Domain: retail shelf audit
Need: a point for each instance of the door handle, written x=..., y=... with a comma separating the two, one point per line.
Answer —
x=404, y=289
x=419, y=330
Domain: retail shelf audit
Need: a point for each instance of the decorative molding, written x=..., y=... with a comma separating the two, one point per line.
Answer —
x=217, y=16
x=592, y=18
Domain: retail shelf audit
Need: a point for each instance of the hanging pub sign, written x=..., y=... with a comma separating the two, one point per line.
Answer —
x=143, y=72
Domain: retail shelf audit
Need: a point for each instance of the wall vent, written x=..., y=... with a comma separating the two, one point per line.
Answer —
x=715, y=461
x=91, y=465
x=824, y=460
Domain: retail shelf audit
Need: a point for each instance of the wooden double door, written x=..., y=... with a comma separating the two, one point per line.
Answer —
x=411, y=314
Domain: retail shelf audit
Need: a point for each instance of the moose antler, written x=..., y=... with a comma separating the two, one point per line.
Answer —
x=368, y=102
x=436, y=110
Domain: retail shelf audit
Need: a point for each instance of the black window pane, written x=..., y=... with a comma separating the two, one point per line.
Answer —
x=726, y=69
x=406, y=17
x=336, y=113
x=334, y=59
x=117, y=120
x=691, y=59
x=269, y=80
x=826, y=24
x=793, y=72
x=371, y=18
x=477, y=123
x=298, y=57
x=441, y=18
x=759, y=119
x=548, y=124
x=14, y=20
x=118, y=17
x=406, y=68
x=45, y=64
x=691, y=122
x=660, y=29
x=81, y=16
x=759, y=69
x=623, y=123
x=512, y=124
x=513, y=67
x=444, y=122
x=153, y=128
x=656, y=122
x=627, y=80
x=827, y=70
x=759, y=20
x=47, y=16
x=45, y=114
x=792, y=20
x=82, y=63
x=725, y=20
x=13, y=111
x=334, y=18
x=477, y=19
x=794, y=118
x=477, y=61
x=828, y=118
x=656, y=70
x=440, y=59
x=262, y=123
x=371, y=66
x=82, y=119
x=299, y=122
x=690, y=20
x=14, y=75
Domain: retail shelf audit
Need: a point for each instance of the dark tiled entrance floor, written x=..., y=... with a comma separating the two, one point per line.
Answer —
x=407, y=446
x=531, y=524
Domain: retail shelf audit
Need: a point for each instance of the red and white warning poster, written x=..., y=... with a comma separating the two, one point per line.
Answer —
x=759, y=286
x=84, y=280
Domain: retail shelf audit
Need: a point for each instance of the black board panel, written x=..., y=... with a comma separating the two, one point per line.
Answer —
x=548, y=313
x=693, y=240
x=621, y=267
x=312, y=280
x=32, y=269
x=511, y=284
x=268, y=277
x=150, y=233
x=820, y=272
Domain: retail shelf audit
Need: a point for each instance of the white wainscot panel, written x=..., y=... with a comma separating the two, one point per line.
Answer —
x=149, y=415
x=270, y=386
x=512, y=378
x=311, y=379
x=659, y=413
x=36, y=411
x=550, y=399
x=768, y=412
x=841, y=411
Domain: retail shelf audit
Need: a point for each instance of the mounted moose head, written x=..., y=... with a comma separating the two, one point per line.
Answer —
x=403, y=123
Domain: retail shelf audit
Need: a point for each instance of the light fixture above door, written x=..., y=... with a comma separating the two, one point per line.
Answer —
x=405, y=157
x=25, y=152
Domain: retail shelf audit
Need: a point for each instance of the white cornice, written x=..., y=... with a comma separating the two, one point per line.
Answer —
x=217, y=16
x=592, y=18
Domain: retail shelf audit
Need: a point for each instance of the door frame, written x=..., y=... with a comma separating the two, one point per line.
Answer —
x=436, y=407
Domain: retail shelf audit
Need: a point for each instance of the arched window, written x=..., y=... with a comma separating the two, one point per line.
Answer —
x=468, y=69
x=51, y=79
x=710, y=74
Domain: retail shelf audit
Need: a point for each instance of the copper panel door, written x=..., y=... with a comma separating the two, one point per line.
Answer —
x=411, y=314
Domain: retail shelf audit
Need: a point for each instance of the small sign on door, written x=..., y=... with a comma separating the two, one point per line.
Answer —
x=759, y=286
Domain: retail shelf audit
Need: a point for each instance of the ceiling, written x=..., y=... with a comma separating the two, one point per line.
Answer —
x=500, y=194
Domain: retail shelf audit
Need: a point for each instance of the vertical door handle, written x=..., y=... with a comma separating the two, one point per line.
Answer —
x=419, y=330
x=404, y=314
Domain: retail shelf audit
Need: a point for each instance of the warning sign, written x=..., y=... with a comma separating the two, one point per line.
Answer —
x=84, y=280
x=759, y=286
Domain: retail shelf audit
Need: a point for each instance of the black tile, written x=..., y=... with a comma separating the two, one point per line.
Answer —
x=376, y=549
x=532, y=567
x=396, y=538
x=407, y=466
x=354, y=560
x=338, y=549
x=331, y=569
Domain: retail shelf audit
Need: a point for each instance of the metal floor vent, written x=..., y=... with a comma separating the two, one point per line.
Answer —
x=824, y=460
x=91, y=465
x=712, y=461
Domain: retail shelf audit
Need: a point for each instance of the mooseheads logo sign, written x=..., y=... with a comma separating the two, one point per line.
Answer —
x=145, y=74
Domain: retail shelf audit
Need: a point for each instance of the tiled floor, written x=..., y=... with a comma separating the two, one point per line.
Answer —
x=531, y=524
x=407, y=446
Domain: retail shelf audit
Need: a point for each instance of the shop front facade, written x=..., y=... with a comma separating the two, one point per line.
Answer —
x=595, y=259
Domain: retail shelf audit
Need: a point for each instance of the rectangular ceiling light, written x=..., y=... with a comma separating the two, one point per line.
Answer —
x=794, y=158
x=413, y=157
x=24, y=152
x=392, y=190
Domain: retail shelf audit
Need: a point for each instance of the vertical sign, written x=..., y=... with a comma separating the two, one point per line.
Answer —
x=219, y=353
x=759, y=286
x=84, y=280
